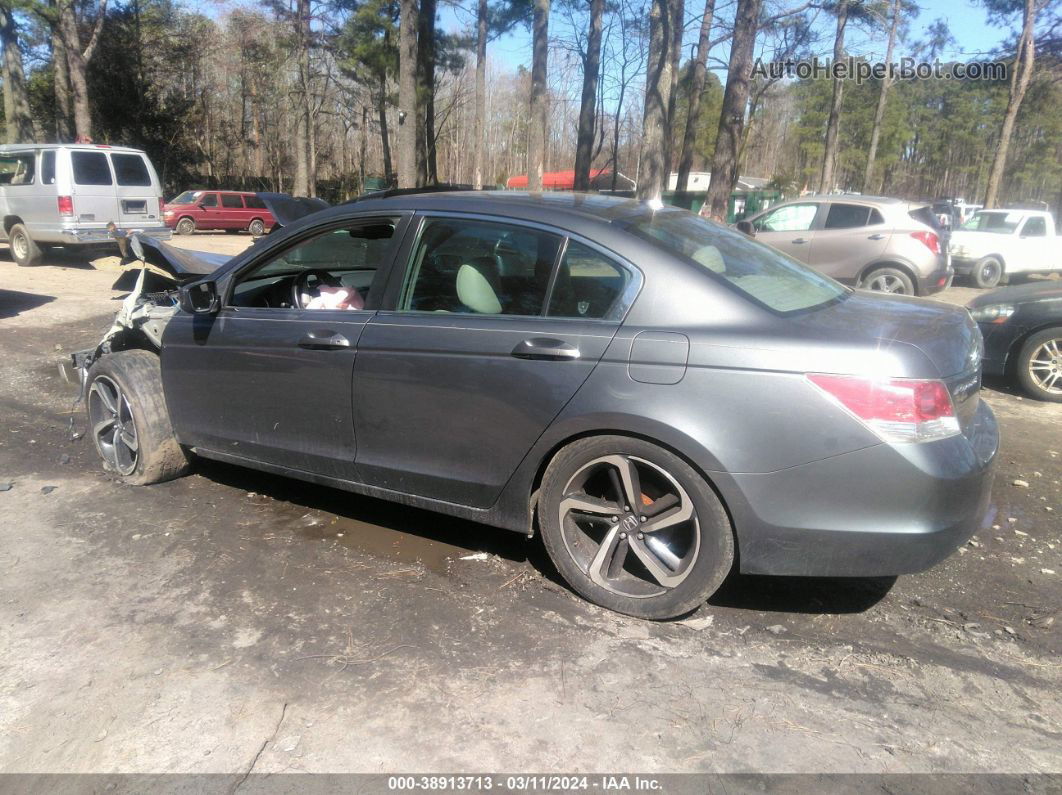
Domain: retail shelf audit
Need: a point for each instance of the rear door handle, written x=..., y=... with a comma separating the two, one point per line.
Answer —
x=324, y=341
x=876, y=237
x=800, y=240
x=546, y=348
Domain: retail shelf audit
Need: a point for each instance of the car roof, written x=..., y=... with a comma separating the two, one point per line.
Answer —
x=92, y=147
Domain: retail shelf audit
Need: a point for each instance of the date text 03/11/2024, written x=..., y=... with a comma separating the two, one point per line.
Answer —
x=529, y=783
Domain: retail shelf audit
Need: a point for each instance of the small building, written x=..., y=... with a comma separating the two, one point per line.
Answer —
x=700, y=180
x=600, y=179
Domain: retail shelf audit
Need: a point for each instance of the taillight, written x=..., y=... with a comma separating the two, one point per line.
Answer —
x=66, y=205
x=897, y=409
x=929, y=239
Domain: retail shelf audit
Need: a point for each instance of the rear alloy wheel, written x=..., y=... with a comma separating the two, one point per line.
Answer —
x=1040, y=365
x=256, y=228
x=634, y=528
x=889, y=280
x=23, y=249
x=185, y=226
x=987, y=273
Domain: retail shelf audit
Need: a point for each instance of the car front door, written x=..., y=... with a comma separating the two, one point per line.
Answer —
x=268, y=377
x=789, y=228
x=1033, y=247
x=492, y=329
x=209, y=212
x=852, y=236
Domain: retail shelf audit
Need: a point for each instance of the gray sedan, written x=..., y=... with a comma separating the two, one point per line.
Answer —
x=661, y=398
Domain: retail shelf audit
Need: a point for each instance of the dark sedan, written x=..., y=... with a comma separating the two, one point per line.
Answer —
x=1022, y=328
x=658, y=396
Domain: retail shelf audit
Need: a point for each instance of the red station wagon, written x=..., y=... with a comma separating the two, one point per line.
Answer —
x=217, y=209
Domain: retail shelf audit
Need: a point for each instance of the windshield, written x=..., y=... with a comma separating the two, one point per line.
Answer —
x=188, y=197
x=762, y=273
x=1003, y=223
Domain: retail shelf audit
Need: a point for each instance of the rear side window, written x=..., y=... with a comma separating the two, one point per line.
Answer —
x=587, y=284
x=1035, y=227
x=48, y=167
x=231, y=201
x=846, y=216
x=254, y=202
x=90, y=168
x=131, y=170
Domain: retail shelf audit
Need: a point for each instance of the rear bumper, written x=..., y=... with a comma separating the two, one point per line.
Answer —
x=936, y=281
x=90, y=237
x=963, y=265
x=881, y=511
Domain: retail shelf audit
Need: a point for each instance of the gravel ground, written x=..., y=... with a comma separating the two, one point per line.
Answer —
x=231, y=621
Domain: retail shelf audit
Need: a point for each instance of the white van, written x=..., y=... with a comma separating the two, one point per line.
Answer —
x=68, y=194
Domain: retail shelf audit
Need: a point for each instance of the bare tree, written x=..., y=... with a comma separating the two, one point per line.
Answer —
x=536, y=149
x=879, y=111
x=829, y=153
x=427, y=167
x=16, y=99
x=588, y=104
x=693, y=116
x=64, y=111
x=303, y=123
x=481, y=94
x=407, y=94
x=78, y=57
x=656, y=120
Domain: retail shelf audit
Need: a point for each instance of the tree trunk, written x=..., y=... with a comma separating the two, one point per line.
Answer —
x=64, y=130
x=427, y=166
x=536, y=146
x=588, y=104
x=16, y=100
x=77, y=66
x=829, y=152
x=407, y=94
x=301, y=186
x=1020, y=76
x=385, y=139
x=481, y=95
x=677, y=10
x=655, y=127
x=724, y=166
x=879, y=112
x=693, y=117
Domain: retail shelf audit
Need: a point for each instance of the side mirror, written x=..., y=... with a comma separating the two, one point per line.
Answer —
x=746, y=228
x=200, y=298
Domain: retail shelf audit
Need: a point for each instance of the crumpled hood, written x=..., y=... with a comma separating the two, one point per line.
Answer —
x=180, y=262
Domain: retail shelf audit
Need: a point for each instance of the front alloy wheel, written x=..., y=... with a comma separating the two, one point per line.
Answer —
x=113, y=426
x=634, y=528
x=1040, y=365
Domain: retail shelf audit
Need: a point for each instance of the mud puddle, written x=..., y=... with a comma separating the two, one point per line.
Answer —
x=385, y=542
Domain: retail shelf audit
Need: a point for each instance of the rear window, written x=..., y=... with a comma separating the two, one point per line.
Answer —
x=131, y=170
x=761, y=273
x=254, y=202
x=90, y=168
x=925, y=215
x=231, y=201
x=1005, y=222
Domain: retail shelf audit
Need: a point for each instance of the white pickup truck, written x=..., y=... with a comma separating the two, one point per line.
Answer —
x=998, y=243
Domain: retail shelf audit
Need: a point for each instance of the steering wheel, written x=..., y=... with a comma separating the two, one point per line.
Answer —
x=301, y=284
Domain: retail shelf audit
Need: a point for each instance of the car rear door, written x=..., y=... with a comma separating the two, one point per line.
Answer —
x=263, y=380
x=138, y=196
x=492, y=328
x=92, y=189
x=852, y=236
x=232, y=211
x=789, y=228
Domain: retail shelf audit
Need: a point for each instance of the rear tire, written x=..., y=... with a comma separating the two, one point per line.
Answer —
x=1040, y=365
x=185, y=226
x=889, y=280
x=128, y=420
x=24, y=250
x=987, y=273
x=256, y=227
x=659, y=557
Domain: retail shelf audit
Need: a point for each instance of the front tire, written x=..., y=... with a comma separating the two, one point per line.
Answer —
x=185, y=226
x=1040, y=365
x=128, y=420
x=24, y=250
x=987, y=273
x=889, y=280
x=634, y=528
x=256, y=227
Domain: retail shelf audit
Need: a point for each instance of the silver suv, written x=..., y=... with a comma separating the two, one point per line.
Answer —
x=868, y=241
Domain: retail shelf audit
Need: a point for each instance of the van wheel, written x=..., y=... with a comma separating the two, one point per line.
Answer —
x=988, y=273
x=128, y=420
x=889, y=280
x=256, y=228
x=185, y=226
x=634, y=528
x=23, y=250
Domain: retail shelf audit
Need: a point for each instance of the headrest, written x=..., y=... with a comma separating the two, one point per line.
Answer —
x=476, y=283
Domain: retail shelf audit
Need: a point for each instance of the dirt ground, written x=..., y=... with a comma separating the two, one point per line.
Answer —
x=232, y=621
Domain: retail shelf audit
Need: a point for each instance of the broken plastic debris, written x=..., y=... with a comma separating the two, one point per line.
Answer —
x=476, y=556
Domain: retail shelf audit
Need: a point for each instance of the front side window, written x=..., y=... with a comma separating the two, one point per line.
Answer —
x=209, y=200
x=588, y=284
x=91, y=168
x=231, y=201
x=17, y=169
x=791, y=218
x=479, y=267
x=760, y=272
x=331, y=270
x=846, y=216
x=130, y=170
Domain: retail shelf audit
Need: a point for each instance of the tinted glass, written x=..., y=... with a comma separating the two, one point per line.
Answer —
x=90, y=168
x=792, y=218
x=131, y=170
x=1035, y=227
x=587, y=284
x=925, y=215
x=188, y=197
x=760, y=272
x=1004, y=222
x=254, y=202
x=209, y=200
x=17, y=169
x=230, y=201
x=48, y=168
x=479, y=267
x=875, y=218
x=846, y=216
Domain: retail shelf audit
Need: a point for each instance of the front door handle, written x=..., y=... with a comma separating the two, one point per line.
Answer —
x=324, y=341
x=800, y=240
x=876, y=237
x=546, y=348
